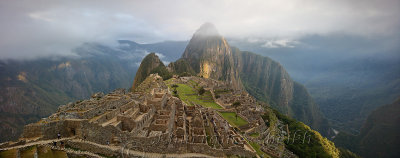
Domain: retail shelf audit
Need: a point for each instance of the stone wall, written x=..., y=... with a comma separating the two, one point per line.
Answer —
x=92, y=148
x=127, y=123
x=32, y=130
x=109, y=104
x=111, y=114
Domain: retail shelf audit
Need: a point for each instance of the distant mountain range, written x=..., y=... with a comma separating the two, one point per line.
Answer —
x=379, y=136
x=30, y=90
x=348, y=76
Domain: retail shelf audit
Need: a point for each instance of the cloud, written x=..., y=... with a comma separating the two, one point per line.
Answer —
x=47, y=27
x=280, y=43
x=161, y=56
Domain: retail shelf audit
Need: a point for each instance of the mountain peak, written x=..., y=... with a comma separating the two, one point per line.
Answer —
x=149, y=65
x=207, y=29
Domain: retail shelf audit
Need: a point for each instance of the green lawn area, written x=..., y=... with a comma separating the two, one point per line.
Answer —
x=46, y=152
x=188, y=95
x=256, y=134
x=29, y=152
x=8, y=153
x=231, y=118
x=257, y=148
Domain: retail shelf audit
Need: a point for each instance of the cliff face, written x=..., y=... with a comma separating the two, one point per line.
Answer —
x=265, y=79
x=150, y=64
x=380, y=135
x=210, y=56
x=268, y=81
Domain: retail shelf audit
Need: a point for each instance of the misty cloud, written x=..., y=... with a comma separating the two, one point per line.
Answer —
x=280, y=43
x=50, y=28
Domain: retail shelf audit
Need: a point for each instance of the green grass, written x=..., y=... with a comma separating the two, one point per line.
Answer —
x=257, y=148
x=256, y=134
x=8, y=153
x=45, y=152
x=189, y=95
x=29, y=152
x=231, y=118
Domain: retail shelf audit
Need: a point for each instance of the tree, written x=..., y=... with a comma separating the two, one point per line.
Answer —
x=236, y=104
x=202, y=90
x=175, y=92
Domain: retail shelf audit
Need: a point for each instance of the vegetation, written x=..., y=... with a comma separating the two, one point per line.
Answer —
x=270, y=119
x=8, y=153
x=175, y=92
x=236, y=105
x=201, y=90
x=380, y=134
x=344, y=153
x=28, y=152
x=258, y=150
x=189, y=96
x=318, y=146
x=346, y=140
x=182, y=68
x=255, y=134
x=231, y=118
x=162, y=71
x=45, y=152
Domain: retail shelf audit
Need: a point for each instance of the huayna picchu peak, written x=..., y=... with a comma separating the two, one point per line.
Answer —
x=207, y=30
x=210, y=56
x=215, y=101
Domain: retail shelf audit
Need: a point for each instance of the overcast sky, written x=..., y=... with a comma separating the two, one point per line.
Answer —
x=30, y=29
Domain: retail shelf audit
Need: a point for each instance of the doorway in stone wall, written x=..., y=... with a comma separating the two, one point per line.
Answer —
x=72, y=132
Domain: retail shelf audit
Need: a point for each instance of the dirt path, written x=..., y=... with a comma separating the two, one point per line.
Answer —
x=42, y=142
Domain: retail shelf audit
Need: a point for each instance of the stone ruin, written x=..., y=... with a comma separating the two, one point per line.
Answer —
x=151, y=122
x=149, y=119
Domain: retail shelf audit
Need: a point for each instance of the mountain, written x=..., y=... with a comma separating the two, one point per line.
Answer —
x=348, y=76
x=149, y=65
x=267, y=80
x=380, y=134
x=33, y=89
x=210, y=56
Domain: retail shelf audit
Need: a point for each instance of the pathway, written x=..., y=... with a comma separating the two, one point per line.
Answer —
x=37, y=143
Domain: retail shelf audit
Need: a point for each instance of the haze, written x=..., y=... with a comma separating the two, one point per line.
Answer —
x=31, y=29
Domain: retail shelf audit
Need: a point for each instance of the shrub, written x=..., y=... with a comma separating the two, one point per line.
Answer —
x=201, y=90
